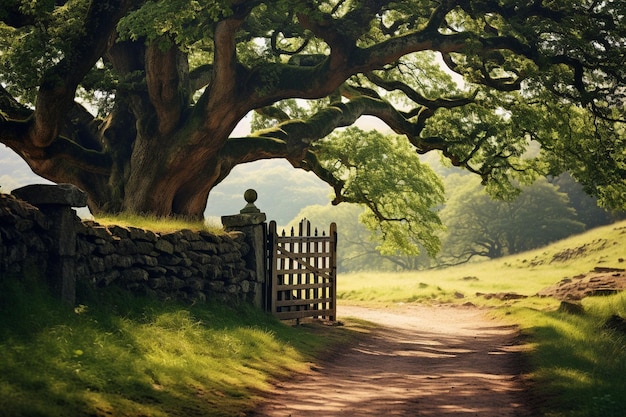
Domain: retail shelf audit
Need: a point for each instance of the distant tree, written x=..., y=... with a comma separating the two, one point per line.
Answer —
x=586, y=206
x=355, y=251
x=478, y=226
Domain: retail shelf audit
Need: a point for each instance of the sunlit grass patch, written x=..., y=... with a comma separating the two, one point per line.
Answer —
x=159, y=224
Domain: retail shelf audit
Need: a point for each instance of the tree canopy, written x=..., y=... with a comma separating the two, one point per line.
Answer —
x=135, y=101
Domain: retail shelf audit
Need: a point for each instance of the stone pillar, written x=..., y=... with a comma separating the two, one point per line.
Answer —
x=251, y=222
x=56, y=202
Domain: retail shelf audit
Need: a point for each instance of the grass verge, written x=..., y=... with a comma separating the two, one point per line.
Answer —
x=577, y=362
x=125, y=356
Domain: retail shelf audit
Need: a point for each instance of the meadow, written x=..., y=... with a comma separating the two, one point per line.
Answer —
x=114, y=354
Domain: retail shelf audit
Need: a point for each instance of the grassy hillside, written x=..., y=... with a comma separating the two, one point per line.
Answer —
x=525, y=273
x=577, y=364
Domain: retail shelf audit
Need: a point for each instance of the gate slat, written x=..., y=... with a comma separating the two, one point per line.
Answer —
x=303, y=302
x=296, y=257
x=311, y=286
x=290, y=315
x=324, y=273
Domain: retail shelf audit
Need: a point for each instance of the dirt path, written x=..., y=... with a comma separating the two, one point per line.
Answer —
x=423, y=361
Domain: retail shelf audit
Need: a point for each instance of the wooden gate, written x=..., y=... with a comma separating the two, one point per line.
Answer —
x=302, y=272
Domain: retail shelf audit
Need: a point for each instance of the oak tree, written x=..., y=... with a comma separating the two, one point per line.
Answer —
x=135, y=101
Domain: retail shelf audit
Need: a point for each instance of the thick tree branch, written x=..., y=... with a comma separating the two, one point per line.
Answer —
x=78, y=157
x=225, y=64
x=13, y=133
x=128, y=60
x=346, y=58
x=58, y=86
x=62, y=149
x=311, y=163
x=292, y=139
x=10, y=108
x=273, y=112
x=376, y=56
x=225, y=61
x=417, y=97
x=81, y=151
x=345, y=30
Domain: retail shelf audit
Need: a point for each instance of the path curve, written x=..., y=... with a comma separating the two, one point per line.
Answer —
x=423, y=361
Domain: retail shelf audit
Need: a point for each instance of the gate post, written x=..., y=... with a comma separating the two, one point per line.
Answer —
x=251, y=222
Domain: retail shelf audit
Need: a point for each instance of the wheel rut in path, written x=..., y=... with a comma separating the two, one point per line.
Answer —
x=422, y=361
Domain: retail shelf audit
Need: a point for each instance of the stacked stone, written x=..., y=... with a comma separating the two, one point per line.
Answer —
x=182, y=265
x=23, y=237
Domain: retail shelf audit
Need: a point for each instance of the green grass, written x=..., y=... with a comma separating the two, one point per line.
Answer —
x=158, y=224
x=123, y=356
x=577, y=364
x=577, y=367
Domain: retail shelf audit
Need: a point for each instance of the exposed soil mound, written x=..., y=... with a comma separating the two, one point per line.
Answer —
x=600, y=281
x=502, y=296
x=572, y=253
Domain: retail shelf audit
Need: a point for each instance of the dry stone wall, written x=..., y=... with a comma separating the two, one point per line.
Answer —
x=184, y=265
x=24, y=238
